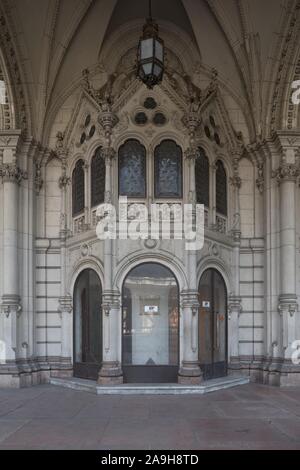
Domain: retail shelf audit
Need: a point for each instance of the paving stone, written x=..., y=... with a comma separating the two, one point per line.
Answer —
x=249, y=417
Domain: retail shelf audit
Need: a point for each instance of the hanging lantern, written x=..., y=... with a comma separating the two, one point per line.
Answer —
x=150, y=54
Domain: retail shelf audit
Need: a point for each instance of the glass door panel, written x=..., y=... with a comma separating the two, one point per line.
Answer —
x=212, y=325
x=150, y=325
x=87, y=325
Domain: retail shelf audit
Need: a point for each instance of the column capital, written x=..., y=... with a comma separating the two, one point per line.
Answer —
x=191, y=154
x=286, y=172
x=10, y=172
x=190, y=298
x=11, y=304
x=287, y=304
x=235, y=305
x=65, y=304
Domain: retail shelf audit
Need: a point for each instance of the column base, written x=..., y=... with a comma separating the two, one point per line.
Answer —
x=190, y=374
x=110, y=374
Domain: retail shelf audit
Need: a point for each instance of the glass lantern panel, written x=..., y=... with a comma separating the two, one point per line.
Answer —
x=157, y=70
x=146, y=48
x=159, y=53
x=147, y=68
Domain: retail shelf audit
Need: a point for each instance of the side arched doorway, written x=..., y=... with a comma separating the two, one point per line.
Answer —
x=213, y=329
x=87, y=344
x=150, y=325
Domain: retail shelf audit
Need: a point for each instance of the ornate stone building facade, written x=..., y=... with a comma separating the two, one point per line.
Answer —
x=77, y=129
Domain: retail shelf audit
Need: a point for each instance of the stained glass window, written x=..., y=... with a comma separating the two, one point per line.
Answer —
x=97, y=178
x=132, y=169
x=202, y=177
x=78, y=188
x=168, y=170
x=221, y=189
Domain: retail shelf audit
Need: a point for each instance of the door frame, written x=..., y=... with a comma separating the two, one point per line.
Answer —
x=206, y=372
x=86, y=370
x=148, y=373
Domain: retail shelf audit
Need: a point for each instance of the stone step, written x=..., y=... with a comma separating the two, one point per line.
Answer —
x=150, y=389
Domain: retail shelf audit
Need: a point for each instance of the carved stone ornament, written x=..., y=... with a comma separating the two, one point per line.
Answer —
x=64, y=181
x=65, y=305
x=236, y=182
x=9, y=172
x=11, y=305
x=260, y=182
x=235, y=306
x=108, y=154
x=38, y=180
x=286, y=172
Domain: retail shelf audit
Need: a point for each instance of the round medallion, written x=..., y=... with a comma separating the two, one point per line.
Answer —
x=150, y=243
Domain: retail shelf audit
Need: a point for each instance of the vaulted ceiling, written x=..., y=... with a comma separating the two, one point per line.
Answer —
x=244, y=40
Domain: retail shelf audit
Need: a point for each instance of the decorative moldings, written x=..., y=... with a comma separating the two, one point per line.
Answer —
x=286, y=173
x=18, y=115
x=65, y=305
x=64, y=181
x=10, y=172
x=150, y=244
x=287, y=305
x=235, y=306
x=11, y=304
x=260, y=181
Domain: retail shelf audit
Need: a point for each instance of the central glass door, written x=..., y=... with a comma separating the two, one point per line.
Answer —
x=150, y=325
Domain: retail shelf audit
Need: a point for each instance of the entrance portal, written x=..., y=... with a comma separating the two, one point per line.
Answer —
x=87, y=325
x=213, y=325
x=150, y=325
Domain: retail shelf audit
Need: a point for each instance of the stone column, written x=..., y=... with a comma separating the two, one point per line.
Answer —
x=287, y=175
x=87, y=205
x=212, y=195
x=234, y=301
x=65, y=307
x=111, y=370
x=11, y=176
x=189, y=371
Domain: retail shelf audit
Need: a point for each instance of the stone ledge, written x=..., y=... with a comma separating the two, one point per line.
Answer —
x=150, y=389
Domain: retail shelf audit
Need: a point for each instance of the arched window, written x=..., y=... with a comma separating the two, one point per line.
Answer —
x=202, y=177
x=168, y=170
x=221, y=189
x=78, y=188
x=97, y=178
x=132, y=169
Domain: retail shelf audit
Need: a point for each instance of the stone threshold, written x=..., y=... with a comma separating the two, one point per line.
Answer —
x=91, y=386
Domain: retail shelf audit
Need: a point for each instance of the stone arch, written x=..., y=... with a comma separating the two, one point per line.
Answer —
x=135, y=260
x=220, y=266
x=82, y=265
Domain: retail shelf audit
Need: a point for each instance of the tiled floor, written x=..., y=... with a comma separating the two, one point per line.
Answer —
x=247, y=417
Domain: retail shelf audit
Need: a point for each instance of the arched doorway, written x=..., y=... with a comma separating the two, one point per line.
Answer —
x=87, y=302
x=150, y=325
x=213, y=325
